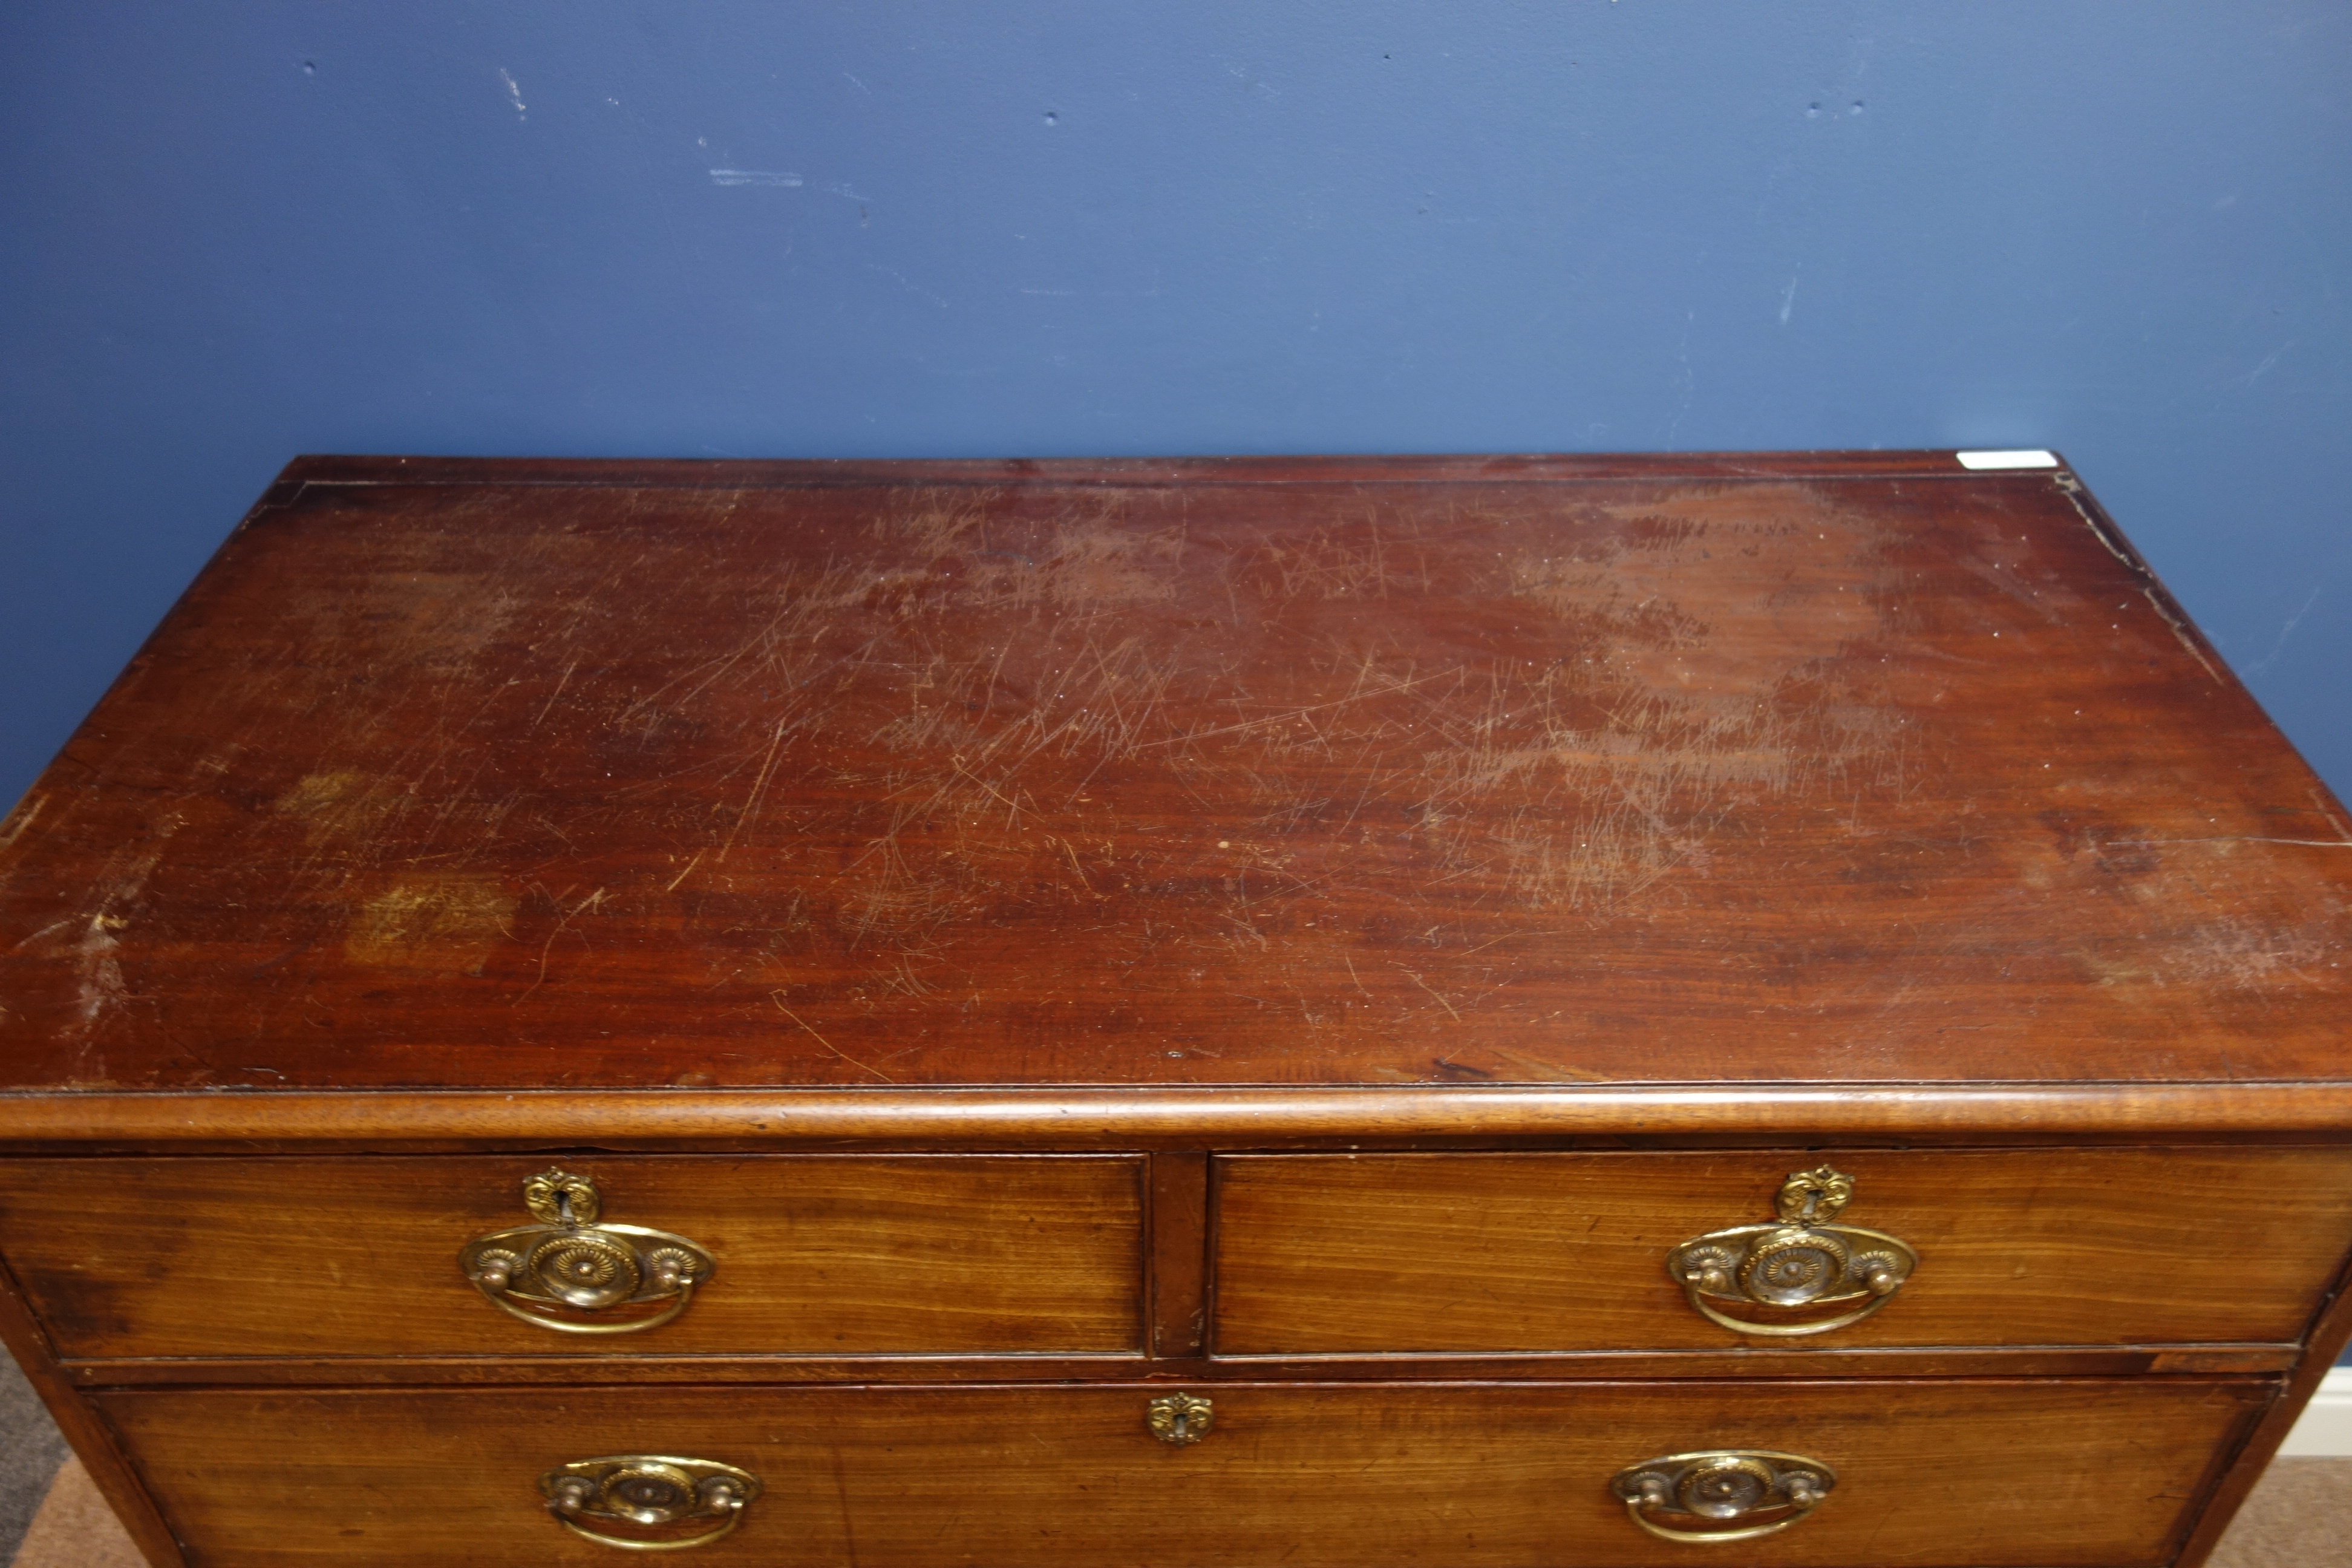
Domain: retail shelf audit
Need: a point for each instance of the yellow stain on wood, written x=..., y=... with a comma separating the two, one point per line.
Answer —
x=445, y=922
x=331, y=806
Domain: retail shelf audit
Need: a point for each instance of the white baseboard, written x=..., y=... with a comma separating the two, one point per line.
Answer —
x=2325, y=1428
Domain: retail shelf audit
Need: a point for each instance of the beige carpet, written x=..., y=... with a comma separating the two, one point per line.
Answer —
x=2299, y=1517
x=75, y=1529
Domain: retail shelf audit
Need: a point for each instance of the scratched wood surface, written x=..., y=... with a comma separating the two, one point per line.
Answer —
x=1991, y=1474
x=1843, y=768
x=1530, y=1252
x=815, y=1256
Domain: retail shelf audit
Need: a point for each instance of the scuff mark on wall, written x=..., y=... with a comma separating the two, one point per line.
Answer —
x=2287, y=631
x=909, y=284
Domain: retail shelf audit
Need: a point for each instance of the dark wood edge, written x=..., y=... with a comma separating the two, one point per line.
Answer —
x=2220, y=1467
x=1178, y=1220
x=1213, y=1260
x=91, y=1438
x=2197, y=1362
x=1083, y=1119
x=1141, y=1380
x=2329, y=1337
x=326, y=469
x=2199, y=646
x=2168, y=608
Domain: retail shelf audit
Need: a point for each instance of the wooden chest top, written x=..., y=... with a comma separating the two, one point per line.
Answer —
x=1853, y=769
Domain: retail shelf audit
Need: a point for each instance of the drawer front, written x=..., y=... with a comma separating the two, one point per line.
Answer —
x=2049, y=1474
x=1501, y=1253
x=812, y=1255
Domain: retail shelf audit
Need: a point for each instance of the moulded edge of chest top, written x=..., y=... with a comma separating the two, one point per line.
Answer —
x=1191, y=1116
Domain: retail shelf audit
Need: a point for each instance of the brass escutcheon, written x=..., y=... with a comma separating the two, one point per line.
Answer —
x=569, y=1259
x=588, y=1497
x=1802, y=1260
x=1181, y=1419
x=1722, y=1484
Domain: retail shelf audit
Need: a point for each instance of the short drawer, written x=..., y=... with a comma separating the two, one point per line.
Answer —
x=2049, y=1474
x=810, y=1254
x=1542, y=1252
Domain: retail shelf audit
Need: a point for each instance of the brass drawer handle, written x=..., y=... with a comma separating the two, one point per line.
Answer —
x=569, y=1260
x=648, y=1489
x=1179, y=1418
x=1800, y=1261
x=1727, y=1484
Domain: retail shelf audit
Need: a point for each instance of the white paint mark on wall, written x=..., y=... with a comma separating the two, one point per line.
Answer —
x=2285, y=631
x=514, y=92
x=2015, y=457
x=905, y=282
x=1684, y=375
x=754, y=177
x=1788, y=301
x=2269, y=361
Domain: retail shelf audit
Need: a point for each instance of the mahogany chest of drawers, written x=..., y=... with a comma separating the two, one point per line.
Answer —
x=1453, y=1012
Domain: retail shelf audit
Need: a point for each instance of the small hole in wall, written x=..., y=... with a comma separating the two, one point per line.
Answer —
x=1051, y=118
x=309, y=68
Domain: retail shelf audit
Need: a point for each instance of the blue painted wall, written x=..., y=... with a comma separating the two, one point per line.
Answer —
x=230, y=234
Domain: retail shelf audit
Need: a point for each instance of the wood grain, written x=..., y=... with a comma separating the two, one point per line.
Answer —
x=1427, y=771
x=816, y=1254
x=1501, y=1252
x=1174, y=1118
x=1179, y=1218
x=1725, y=1362
x=1997, y=1475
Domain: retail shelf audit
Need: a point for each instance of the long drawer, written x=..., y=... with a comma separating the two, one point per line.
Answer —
x=817, y=1255
x=2050, y=1474
x=1537, y=1252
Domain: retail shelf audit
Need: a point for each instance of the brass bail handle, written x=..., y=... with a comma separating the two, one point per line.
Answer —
x=1805, y=1259
x=1722, y=1484
x=589, y=1496
x=569, y=1258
